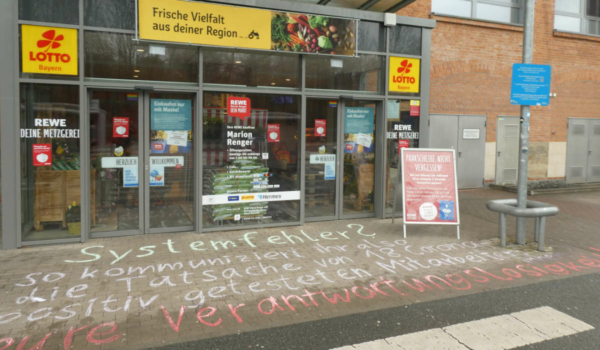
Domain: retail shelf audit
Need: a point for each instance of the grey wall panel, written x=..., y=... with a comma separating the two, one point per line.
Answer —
x=507, y=150
x=577, y=150
x=593, y=174
x=470, y=164
x=443, y=131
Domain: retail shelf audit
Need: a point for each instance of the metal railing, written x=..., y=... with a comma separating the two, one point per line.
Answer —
x=537, y=210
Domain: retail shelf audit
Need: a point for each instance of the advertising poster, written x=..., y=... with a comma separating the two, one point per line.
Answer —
x=273, y=132
x=430, y=193
x=242, y=27
x=42, y=154
x=130, y=177
x=320, y=127
x=49, y=50
x=403, y=144
x=359, y=120
x=157, y=175
x=415, y=108
x=329, y=164
x=358, y=129
x=404, y=74
x=120, y=127
x=238, y=107
x=167, y=114
x=171, y=126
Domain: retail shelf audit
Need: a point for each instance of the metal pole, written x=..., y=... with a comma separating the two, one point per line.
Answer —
x=525, y=114
x=397, y=187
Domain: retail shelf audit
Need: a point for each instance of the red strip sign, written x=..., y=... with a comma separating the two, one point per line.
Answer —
x=430, y=193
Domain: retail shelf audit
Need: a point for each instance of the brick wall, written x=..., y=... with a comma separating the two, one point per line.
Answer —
x=471, y=71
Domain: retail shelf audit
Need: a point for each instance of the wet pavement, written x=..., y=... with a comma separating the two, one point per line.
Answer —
x=154, y=290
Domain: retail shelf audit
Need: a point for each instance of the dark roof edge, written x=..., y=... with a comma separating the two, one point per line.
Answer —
x=293, y=6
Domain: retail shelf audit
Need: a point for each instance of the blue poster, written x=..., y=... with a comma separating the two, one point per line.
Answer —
x=530, y=84
x=330, y=171
x=167, y=114
x=130, y=177
x=359, y=120
x=447, y=210
x=157, y=175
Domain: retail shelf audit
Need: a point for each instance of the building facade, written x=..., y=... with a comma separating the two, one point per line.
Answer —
x=474, y=46
x=161, y=116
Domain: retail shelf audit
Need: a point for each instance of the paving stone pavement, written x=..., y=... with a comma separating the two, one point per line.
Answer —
x=140, y=291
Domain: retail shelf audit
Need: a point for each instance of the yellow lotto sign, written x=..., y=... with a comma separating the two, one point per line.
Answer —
x=204, y=24
x=404, y=74
x=49, y=50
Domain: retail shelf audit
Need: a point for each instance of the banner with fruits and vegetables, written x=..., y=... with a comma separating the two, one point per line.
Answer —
x=200, y=23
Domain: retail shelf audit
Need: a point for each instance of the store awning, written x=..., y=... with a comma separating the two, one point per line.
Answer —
x=365, y=5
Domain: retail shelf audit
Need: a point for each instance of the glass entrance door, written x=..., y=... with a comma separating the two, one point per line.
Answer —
x=169, y=164
x=321, y=184
x=358, y=185
x=339, y=159
x=141, y=155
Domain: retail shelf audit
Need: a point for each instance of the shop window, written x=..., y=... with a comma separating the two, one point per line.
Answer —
x=117, y=56
x=50, y=162
x=117, y=14
x=363, y=73
x=371, y=37
x=402, y=131
x=261, y=69
x=405, y=40
x=250, y=159
x=51, y=11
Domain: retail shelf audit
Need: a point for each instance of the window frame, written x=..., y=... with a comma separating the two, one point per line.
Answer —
x=475, y=3
x=582, y=16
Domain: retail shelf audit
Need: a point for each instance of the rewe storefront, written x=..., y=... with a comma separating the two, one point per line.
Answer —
x=153, y=116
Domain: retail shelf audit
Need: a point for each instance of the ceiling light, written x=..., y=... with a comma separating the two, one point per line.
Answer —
x=238, y=62
x=135, y=76
x=288, y=79
x=272, y=83
x=140, y=50
x=136, y=70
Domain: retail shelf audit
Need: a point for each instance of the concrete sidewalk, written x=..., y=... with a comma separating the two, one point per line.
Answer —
x=141, y=291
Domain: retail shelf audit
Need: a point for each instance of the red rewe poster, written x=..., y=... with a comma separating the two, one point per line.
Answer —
x=238, y=107
x=429, y=190
x=403, y=144
x=320, y=127
x=42, y=154
x=273, y=133
x=120, y=127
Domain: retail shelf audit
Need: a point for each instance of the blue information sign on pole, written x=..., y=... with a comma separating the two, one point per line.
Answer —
x=530, y=85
